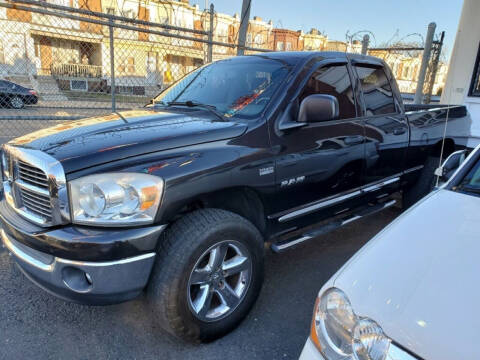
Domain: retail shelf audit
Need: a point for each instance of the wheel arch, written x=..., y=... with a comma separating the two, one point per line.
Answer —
x=243, y=201
x=448, y=148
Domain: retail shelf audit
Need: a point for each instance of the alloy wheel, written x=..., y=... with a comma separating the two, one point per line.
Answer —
x=219, y=280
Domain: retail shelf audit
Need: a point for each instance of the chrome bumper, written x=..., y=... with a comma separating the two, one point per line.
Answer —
x=84, y=282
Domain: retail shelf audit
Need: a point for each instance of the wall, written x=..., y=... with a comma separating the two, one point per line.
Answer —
x=462, y=63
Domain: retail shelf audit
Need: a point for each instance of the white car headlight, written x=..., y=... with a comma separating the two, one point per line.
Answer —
x=339, y=334
x=115, y=199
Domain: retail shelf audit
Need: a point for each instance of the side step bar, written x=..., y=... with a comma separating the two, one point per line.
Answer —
x=282, y=246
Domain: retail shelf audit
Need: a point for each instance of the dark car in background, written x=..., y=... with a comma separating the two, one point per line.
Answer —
x=16, y=96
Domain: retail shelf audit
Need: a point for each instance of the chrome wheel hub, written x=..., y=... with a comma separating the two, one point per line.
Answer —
x=219, y=280
x=17, y=103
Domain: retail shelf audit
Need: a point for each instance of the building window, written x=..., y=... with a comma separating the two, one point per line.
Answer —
x=280, y=46
x=131, y=65
x=249, y=38
x=111, y=11
x=78, y=85
x=128, y=14
x=475, y=86
x=289, y=46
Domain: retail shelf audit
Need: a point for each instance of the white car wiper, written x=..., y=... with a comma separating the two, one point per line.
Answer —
x=211, y=108
x=468, y=189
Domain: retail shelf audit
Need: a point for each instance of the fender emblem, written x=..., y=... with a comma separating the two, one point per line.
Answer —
x=266, y=171
x=293, y=181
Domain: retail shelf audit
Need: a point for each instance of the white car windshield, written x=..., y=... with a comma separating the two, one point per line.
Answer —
x=471, y=182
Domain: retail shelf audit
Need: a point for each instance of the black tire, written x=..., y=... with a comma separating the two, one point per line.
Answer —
x=424, y=184
x=17, y=102
x=180, y=251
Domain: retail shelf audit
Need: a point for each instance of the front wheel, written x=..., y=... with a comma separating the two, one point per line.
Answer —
x=208, y=274
x=17, y=102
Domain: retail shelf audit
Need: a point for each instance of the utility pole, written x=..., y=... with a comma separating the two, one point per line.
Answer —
x=425, y=60
x=244, y=19
x=365, y=42
x=210, y=35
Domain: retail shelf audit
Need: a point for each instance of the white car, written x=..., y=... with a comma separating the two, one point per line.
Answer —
x=412, y=292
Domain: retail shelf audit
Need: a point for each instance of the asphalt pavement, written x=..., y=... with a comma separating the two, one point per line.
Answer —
x=36, y=325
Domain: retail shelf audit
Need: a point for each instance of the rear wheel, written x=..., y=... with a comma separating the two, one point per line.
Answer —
x=208, y=274
x=17, y=102
x=424, y=184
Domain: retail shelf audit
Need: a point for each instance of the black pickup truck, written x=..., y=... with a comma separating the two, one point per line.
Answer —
x=181, y=198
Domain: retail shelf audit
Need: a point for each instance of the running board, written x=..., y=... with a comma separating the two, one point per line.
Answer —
x=282, y=246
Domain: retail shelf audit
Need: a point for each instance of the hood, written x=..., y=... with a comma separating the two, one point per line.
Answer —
x=418, y=279
x=94, y=141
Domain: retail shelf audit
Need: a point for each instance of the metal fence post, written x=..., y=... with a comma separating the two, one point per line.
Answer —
x=112, y=66
x=425, y=60
x=244, y=20
x=437, y=51
x=210, y=35
x=365, y=42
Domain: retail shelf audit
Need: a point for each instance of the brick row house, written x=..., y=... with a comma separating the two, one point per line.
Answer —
x=61, y=57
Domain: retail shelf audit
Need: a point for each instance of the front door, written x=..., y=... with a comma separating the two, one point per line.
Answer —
x=386, y=127
x=321, y=159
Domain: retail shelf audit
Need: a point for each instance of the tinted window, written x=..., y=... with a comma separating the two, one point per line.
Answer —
x=475, y=86
x=377, y=91
x=335, y=81
x=236, y=86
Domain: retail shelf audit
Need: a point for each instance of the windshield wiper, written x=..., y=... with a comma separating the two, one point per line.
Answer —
x=211, y=108
x=468, y=189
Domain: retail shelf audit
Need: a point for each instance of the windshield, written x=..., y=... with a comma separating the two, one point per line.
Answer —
x=240, y=86
x=471, y=182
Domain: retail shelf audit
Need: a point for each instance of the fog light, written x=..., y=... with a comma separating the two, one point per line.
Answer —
x=76, y=279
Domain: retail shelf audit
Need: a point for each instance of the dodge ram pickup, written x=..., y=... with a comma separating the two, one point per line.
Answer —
x=180, y=199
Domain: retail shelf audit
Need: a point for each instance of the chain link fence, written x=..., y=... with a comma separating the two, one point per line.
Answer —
x=67, y=59
x=405, y=61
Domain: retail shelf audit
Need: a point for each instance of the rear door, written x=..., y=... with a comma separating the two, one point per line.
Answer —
x=386, y=126
x=322, y=159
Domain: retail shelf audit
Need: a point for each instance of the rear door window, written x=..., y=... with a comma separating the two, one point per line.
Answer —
x=377, y=91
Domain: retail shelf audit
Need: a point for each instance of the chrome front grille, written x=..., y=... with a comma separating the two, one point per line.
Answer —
x=36, y=187
x=37, y=204
x=32, y=175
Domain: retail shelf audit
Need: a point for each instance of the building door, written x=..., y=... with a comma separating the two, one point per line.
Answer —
x=46, y=57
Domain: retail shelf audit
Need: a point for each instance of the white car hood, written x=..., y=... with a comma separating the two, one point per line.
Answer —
x=419, y=278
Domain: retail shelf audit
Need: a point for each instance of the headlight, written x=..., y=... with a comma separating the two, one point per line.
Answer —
x=115, y=199
x=339, y=334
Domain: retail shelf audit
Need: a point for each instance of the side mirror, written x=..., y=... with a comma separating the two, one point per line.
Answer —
x=318, y=107
x=450, y=165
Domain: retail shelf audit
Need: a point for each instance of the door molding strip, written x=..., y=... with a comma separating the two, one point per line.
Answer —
x=337, y=199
